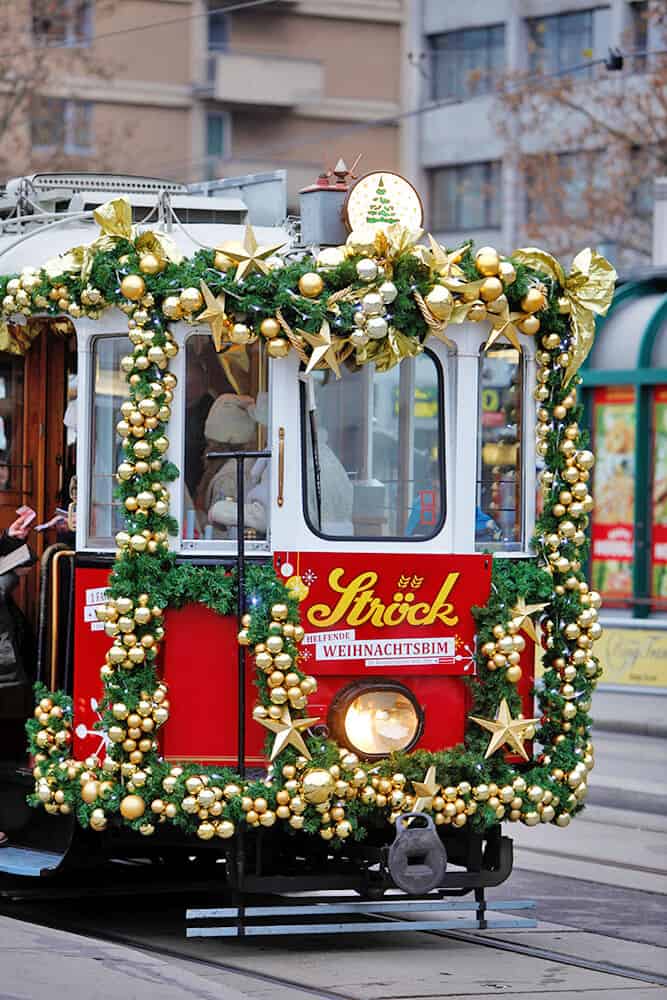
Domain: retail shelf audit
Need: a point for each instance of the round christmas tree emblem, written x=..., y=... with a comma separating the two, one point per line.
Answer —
x=381, y=200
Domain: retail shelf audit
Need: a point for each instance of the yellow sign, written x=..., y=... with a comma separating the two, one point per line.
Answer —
x=633, y=656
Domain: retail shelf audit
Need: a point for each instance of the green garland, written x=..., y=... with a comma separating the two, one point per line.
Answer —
x=314, y=785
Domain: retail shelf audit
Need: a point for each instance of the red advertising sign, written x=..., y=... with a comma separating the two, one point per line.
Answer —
x=372, y=614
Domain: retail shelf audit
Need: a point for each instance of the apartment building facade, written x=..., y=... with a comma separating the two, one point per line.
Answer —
x=455, y=58
x=185, y=90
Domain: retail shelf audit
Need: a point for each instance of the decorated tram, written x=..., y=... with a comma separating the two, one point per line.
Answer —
x=289, y=616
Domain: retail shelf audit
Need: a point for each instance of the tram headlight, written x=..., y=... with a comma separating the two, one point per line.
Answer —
x=376, y=718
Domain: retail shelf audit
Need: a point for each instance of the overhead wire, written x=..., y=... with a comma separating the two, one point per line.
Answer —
x=152, y=25
x=352, y=127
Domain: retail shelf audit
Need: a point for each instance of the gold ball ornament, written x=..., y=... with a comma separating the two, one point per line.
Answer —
x=533, y=300
x=191, y=299
x=311, y=284
x=278, y=347
x=270, y=328
x=171, y=307
x=318, y=786
x=530, y=325
x=440, y=302
x=149, y=263
x=490, y=289
x=133, y=287
x=240, y=334
x=487, y=261
x=132, y=807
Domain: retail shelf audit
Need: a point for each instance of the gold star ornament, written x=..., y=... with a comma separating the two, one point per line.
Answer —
x=522, y=612
x=425, y=791
x=505, y=730
x=248, y=256
x=214, y=314
x=288, y=732
x=323, y=349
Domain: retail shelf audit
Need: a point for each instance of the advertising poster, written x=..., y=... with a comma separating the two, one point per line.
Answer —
x=659, y=497
x=612, y=552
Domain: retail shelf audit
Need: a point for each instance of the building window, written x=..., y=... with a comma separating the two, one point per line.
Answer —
x=466, y=63
x=558, y=186
x=218, y=30
x=562, y=41
x=217, y=131
x=62, y=22
x=373, y=461
x=638, y=32
x=57, y=123
x=466, y=196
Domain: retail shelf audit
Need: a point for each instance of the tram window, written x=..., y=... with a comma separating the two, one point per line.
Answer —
x=109, y=391
x=226, y=410
x=11, y=422
x=499, y=508
x=373, y=456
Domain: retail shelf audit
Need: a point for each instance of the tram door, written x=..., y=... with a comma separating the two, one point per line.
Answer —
x=38, y=442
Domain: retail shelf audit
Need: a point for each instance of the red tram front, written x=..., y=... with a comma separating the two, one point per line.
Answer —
x=321, y=614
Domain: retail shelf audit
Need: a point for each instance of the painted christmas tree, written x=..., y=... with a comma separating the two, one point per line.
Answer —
x=381, y=209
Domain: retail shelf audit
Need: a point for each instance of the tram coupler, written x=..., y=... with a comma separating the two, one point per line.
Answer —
x=417, y=858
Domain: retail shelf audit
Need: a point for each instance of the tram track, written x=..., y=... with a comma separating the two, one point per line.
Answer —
x=486, y=940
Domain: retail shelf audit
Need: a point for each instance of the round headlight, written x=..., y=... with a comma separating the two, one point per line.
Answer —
x=376, y=719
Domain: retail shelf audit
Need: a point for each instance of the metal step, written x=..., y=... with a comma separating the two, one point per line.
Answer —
x=28, y=862
x=349, y=916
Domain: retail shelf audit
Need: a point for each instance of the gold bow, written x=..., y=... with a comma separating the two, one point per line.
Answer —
x=390, y=350
x=115, y=221
x=18, y=339
x=589, y=288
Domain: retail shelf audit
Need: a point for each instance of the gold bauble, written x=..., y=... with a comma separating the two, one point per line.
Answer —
x=440, y=302
x=318, y=786
x=240, y=334
x=278, y=347
x=90, y=791
x=221, y=262
x=507, y=272
x=171, y=307
x=530, y=325
x=279, y=612
x=270, y=328
x=310, y=284
x=343, y=829
x=477, y=312
x=133, y=287
x=533, y=300
x=205, y=831
x=132, y=807
x=191, y=300
x=585, y=460
x=149, y=263
x=513, y=674
x=487, y=261
x=490, y=289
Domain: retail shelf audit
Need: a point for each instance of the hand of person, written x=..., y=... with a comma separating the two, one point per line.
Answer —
x=20, y=528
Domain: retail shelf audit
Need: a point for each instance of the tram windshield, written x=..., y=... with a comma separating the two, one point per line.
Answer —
x=374, y=452
x=109, y=391
x=226, y=409
x=499, y=511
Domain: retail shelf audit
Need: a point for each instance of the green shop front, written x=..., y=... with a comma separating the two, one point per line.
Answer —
x=625, y=383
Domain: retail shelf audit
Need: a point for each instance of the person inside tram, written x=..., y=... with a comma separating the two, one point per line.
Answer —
x=15, y=637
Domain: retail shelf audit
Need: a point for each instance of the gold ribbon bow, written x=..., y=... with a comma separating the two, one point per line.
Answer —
x=589, y=288
x=389, y=351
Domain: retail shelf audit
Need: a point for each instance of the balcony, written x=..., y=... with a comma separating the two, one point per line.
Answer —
x=247, y=78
